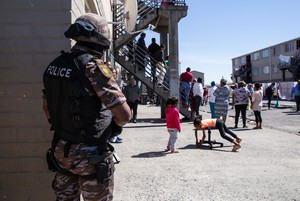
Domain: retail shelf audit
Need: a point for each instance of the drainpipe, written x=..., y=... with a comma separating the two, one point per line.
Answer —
x=270, y=63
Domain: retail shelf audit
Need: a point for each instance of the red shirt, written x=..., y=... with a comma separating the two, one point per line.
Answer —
x=186, y=77
x=205, y=92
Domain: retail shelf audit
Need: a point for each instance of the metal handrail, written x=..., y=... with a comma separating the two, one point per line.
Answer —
x=142, y=61
x=145, y=7
x=131, y=52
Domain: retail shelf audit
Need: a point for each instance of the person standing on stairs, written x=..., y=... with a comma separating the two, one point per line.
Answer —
x=160, y=65
x=152, y=49
x=141, y=52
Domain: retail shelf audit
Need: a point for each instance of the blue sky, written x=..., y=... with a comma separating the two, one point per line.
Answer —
x=216, y=31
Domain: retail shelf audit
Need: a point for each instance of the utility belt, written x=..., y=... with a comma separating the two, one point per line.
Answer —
x=104, y=163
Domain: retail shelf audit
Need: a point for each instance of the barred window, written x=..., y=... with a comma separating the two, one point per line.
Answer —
x=289, y=46
x=275, y=68
x=266, y=70
x=265, y=53
x=243, y=60
x=255, y=56
x=237, y=62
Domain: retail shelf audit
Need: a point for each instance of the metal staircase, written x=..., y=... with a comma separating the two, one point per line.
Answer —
x=147, y=14
x=128, y=54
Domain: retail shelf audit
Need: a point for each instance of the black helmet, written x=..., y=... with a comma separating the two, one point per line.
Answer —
x=91, y=28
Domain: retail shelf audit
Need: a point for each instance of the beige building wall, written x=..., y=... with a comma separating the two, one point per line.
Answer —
x=197, y=74
x=31, y=35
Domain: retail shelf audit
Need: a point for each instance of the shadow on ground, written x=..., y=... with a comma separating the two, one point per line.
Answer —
x=148, y=126
x=152, y=154
x=206, y=147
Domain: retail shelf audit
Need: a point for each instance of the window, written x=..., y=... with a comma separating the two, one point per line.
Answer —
x=256, y=71
x=266, y=70
x=275, y=68
x=289, y=46
x=255, y=56
x=276, y=50
x=265, y=53
x=236, y=62
x=243, y=60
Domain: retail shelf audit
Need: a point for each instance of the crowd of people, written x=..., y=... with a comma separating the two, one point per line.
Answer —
x=193, y=95
x=244, y=97
x=86, y=108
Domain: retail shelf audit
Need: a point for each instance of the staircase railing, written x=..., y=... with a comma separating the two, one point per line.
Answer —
x=140, y=64
x=146, y=65
x=145, y=8
x=136, y=60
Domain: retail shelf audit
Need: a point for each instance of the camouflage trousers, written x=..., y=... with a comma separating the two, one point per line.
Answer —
x=70, y=184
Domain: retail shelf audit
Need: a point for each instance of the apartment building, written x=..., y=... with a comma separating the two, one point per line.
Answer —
x=280, y=62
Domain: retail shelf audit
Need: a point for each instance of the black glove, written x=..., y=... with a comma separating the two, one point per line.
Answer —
x=115, y=128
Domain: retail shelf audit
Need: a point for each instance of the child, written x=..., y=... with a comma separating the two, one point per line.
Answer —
x=219, y=124
x=173, y=122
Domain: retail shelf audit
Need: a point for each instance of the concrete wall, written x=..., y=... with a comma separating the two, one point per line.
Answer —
x=197, y=74
x=31, y=35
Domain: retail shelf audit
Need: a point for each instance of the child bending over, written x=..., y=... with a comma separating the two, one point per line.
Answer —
x=173, y=123
x=219, y=124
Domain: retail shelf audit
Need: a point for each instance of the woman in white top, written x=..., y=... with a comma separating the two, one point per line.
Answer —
x=211, y=99
x=198, y=94
x=256, y=106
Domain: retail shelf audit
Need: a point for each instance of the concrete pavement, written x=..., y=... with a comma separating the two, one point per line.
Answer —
x=266, y=168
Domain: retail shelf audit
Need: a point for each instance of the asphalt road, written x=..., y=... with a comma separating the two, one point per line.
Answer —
x=266, y=168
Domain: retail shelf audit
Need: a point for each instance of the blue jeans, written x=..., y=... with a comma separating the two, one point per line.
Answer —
x=184, y=90
x=212, y=110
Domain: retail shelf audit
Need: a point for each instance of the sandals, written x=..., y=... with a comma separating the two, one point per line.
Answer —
x=172, y=151
x=168, y=148
x=236, y=147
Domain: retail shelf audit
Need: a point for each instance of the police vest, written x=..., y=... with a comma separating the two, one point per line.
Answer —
x=77, y=113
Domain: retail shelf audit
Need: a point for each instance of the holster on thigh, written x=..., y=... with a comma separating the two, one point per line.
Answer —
x=105, y=167
x=51, y=161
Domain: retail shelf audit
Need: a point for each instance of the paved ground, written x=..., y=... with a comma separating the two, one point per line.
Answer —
x=266, y=168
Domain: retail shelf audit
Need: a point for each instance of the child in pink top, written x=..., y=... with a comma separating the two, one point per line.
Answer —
x=173, y=123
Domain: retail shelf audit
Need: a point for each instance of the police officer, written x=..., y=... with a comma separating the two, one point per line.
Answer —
x=85, y=107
